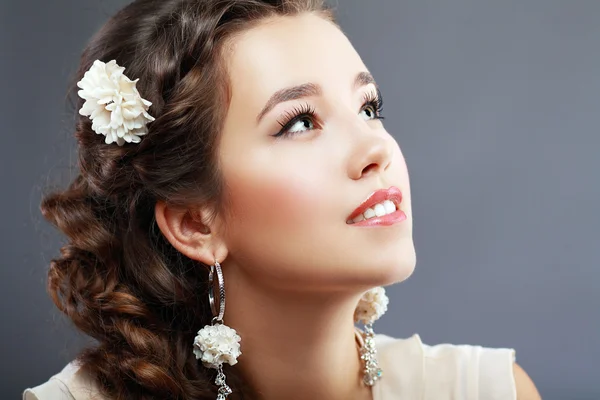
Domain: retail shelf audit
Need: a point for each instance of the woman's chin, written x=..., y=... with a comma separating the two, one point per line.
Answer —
x=397, y=269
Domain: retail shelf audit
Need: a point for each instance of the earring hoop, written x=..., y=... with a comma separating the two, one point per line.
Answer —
x=218, y=314
x=217, y=344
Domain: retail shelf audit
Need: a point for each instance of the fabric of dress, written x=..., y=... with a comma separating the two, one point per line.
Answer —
x=411, y=371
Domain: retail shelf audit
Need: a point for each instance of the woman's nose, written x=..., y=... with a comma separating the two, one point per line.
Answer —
x=371, y=154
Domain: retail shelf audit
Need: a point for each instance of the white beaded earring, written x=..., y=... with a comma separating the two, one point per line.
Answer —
x=216, y=344
x=370, y=308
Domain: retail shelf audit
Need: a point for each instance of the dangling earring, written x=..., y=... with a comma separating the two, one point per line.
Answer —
x=217, y=343
x=370, y=308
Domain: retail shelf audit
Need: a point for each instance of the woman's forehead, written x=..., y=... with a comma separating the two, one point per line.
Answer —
x=288, y=51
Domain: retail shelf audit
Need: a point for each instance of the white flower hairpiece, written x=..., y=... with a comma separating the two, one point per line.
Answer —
x=371, y=306
x=113, y=103
x=217, y=344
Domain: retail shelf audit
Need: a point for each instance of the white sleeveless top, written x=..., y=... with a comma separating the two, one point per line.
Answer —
x=411, y=370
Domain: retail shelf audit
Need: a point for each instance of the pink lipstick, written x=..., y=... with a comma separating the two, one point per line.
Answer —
x=381, y=208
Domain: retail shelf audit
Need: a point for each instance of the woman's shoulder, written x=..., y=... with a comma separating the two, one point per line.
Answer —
x=71, y=383
x=436, y=371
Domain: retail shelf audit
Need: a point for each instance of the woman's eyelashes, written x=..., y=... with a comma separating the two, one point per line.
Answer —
x=373, y=105
x=305, y=118
x=297, y=120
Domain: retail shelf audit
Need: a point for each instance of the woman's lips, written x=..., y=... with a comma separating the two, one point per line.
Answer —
x=392, y=194
x=385, y=220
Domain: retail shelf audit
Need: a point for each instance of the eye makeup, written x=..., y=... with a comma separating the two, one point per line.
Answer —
x=372, y=101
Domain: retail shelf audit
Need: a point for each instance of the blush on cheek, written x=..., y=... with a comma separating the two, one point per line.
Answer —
x=275, y=202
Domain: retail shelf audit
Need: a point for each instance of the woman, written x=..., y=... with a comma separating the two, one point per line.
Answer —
x=234, y=149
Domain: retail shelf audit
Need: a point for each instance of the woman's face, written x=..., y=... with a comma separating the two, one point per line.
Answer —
x=291, y=189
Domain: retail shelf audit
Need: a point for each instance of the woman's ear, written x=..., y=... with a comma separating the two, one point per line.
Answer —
x=191, y=232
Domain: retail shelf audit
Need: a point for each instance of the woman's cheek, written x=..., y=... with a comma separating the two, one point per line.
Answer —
x=278, y=199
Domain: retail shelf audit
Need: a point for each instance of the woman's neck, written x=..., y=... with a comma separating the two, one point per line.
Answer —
x=296, y=346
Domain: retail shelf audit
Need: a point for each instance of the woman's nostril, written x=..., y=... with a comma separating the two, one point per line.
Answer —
x=369, y=168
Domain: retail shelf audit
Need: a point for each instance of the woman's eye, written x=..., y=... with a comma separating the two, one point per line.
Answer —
x=304, y=124
x=299, y=120
x=368, y=113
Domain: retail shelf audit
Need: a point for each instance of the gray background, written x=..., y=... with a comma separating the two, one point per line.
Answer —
x=496, y=106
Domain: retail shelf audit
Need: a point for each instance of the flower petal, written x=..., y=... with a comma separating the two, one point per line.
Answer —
x=113, y=103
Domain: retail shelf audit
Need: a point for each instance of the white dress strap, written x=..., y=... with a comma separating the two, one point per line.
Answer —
x=69, y=384
x=443, y=372
x=52, y=389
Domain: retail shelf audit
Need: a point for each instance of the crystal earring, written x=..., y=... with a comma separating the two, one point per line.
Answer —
x=216, y=344
x=370, y=308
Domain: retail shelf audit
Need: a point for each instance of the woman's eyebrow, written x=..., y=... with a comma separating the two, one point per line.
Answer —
x=363, y=79
x=306, y=90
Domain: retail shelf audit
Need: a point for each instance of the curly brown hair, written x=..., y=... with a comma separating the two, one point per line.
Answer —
x=118, y=279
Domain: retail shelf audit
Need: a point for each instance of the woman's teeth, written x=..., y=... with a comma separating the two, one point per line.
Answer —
x=379, y=210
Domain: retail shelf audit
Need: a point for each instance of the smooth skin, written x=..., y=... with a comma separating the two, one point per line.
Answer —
x=294, y=269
